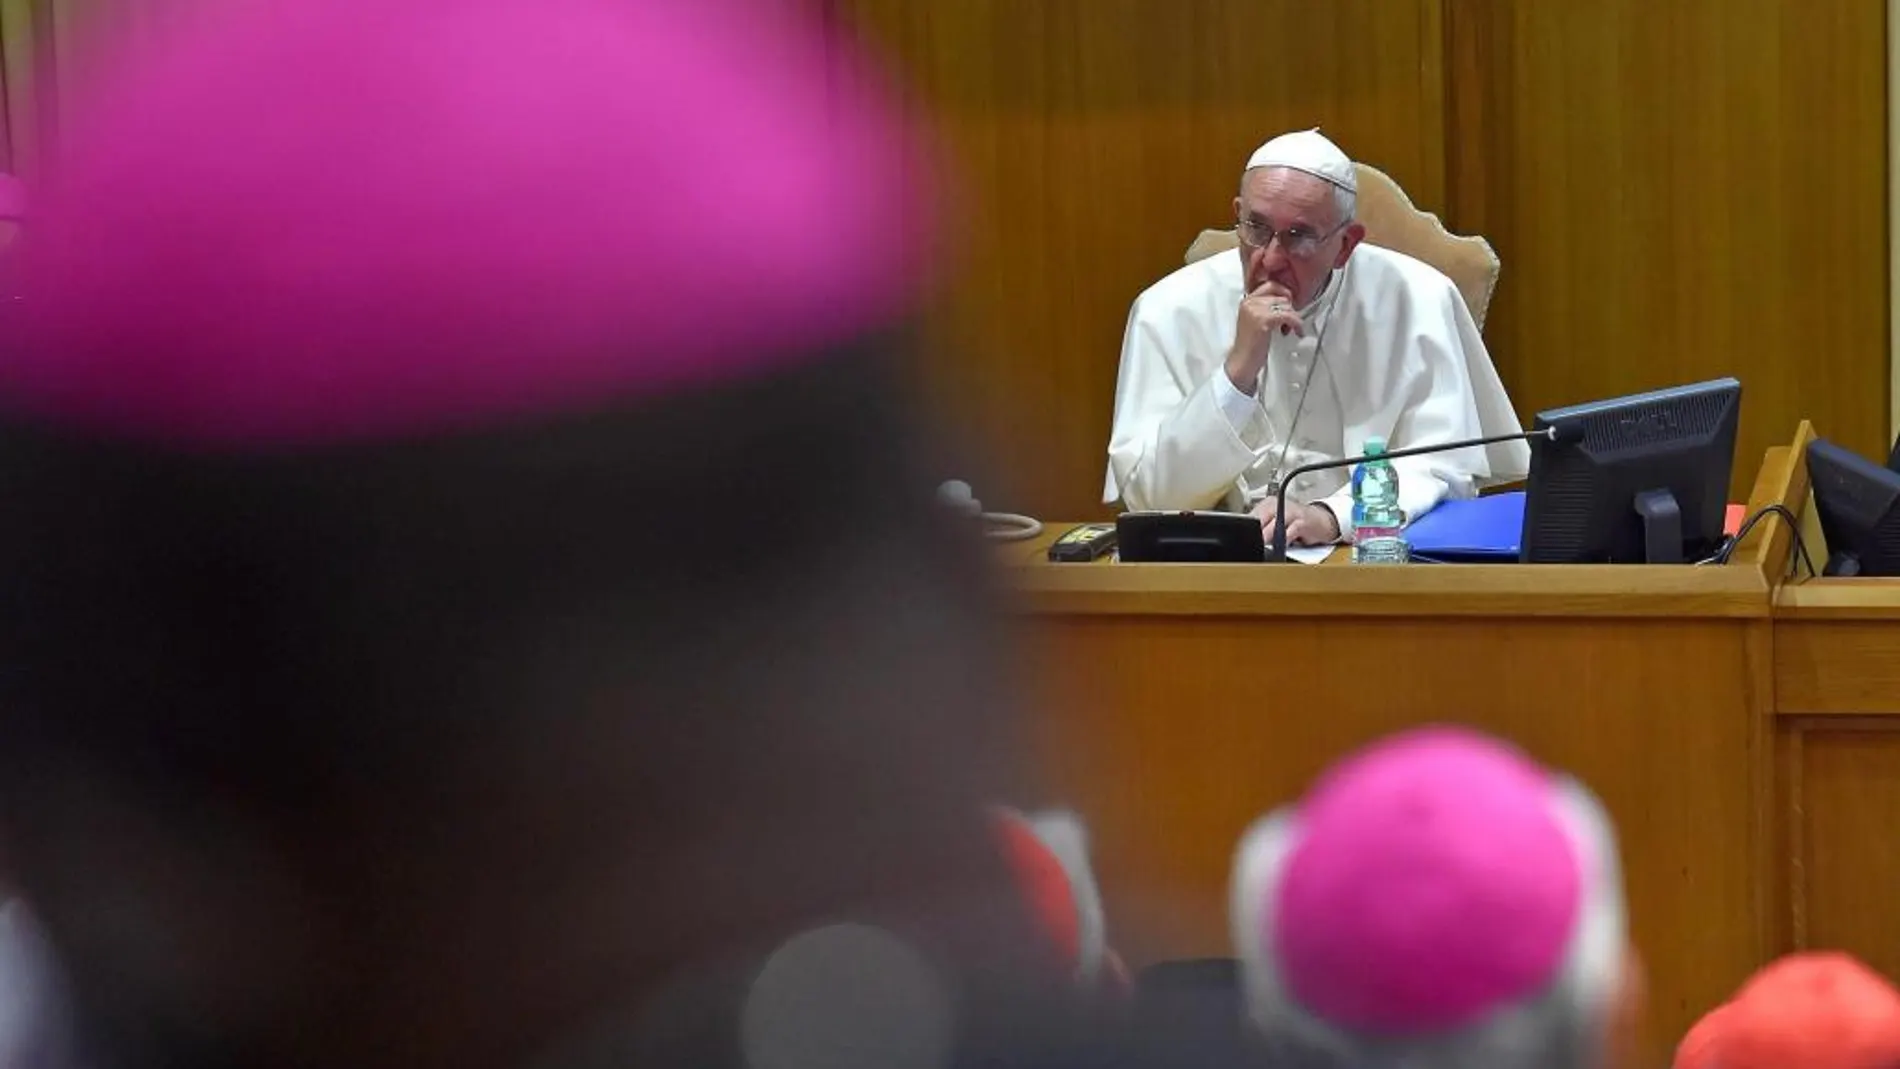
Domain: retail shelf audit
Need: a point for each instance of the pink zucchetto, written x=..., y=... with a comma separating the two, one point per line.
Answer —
x=1429, y=882
x=307, y=220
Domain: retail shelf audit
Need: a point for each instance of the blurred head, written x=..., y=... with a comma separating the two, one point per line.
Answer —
x=1295, y=214
x=33, y=1025
x=446, y=608
x=1436, y=901
x=1049, y=854
x=1814, y=1010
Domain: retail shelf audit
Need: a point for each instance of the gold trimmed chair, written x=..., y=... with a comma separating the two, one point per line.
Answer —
x=1392, y=221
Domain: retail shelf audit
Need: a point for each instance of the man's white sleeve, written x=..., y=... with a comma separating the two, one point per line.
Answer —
x=1176, y=443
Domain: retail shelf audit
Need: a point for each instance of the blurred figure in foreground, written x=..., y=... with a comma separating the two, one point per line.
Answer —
x=453, y=617
x=1811, y=1011
x=1437, y=900
x=13, y=208
x=33, y=1027
x=1049, y=853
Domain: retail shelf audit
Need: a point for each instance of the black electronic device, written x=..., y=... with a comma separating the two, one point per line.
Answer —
x=1858, y=502
x=1645, y=479
x=1190, y=537
x=1091, y=541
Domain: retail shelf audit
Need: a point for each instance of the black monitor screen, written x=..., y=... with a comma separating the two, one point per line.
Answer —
x=1856, y=501
x=1639, y=479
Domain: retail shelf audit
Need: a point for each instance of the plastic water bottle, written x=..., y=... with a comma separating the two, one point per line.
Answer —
x=1378, y=535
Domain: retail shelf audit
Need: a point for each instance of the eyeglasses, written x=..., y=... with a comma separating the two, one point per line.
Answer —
x=1296, y=240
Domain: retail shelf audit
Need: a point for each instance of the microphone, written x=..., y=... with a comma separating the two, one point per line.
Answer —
x=1564, y=433
x=999, y=526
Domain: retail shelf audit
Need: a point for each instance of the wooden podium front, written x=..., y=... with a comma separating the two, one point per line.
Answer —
x=1180, y=702
x=1837, y=747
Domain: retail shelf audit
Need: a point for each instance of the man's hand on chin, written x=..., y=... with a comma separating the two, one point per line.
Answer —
x=1307, y=525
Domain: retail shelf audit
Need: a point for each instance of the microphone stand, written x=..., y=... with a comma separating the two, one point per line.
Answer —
x=1553, y=433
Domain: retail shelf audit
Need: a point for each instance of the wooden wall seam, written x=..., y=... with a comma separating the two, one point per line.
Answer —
x=1893, y=208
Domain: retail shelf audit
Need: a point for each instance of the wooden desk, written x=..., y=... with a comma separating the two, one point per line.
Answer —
x=1837, y=750
x=1180, y=702
x=1837, y=757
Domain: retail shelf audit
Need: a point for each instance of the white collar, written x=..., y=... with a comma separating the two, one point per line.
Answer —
x=1328, y=293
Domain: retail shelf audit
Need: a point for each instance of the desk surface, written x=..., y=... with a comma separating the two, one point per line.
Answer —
x=1336, y=588
x=1839, y=599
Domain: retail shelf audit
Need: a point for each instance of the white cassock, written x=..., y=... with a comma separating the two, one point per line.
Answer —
x=1390, y=350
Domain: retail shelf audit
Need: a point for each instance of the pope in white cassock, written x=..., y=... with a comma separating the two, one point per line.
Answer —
x=1295, y=349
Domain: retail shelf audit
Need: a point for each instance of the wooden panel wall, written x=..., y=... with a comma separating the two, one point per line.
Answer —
x=1680, y=191
x=1677, y=191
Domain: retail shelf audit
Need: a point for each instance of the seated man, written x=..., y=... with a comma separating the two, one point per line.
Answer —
x=1437, y=900
x=1239, y=368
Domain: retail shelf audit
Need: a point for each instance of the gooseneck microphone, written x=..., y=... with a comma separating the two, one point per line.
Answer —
x=1564, y=433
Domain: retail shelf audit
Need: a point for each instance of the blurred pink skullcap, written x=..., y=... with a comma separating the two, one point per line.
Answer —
x=1431, y=883
x=300, y=220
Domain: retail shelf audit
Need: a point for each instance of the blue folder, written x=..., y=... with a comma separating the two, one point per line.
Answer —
x=1480, y=529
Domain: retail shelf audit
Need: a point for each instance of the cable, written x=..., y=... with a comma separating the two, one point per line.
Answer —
x=1794, y=527
x=1010, y=526
x=999, y=526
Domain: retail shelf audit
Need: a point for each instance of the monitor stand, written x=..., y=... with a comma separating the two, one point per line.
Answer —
x=1842, y=564
x=1662, y=526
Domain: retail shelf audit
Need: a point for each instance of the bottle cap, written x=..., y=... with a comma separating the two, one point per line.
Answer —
x=1374, y=445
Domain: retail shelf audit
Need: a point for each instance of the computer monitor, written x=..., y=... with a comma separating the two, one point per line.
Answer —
x=1859, y=505
x=1634, y=480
